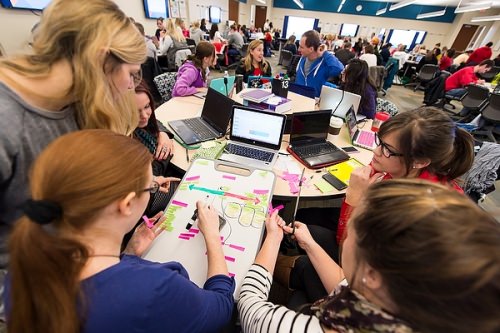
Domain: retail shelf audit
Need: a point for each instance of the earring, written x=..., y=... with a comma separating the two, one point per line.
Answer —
x=414, y=166
x=363, y=280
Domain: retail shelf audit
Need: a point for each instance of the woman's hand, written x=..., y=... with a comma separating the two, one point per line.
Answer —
x=165, y=147
x=301, y=234
x=274, y=226
x=360, y=179
x=164, y=182
x=208, y=221
x=143, y=235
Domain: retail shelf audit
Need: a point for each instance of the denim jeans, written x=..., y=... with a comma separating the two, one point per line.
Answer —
x=457, y=93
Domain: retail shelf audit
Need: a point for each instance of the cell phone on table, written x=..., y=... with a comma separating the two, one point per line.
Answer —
x=334, y=181
x=350, y=150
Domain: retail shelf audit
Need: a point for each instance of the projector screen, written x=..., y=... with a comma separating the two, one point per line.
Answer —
x=26, y=4
x=402, y=37
x=349, y=30
x=420, y=37
x=214, y=14
x=155, y=9
x=298, y=25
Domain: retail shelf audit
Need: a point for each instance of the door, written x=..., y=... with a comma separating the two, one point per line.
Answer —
x=234, y=10
x=260, y=16
x=464, y=37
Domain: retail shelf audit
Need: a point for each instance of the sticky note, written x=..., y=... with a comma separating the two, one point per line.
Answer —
x=229, y=177
x=192, y=178
x=323, y=186
x=260, y=191
x=184, y=237
x=237, y=247
x=208, y=144
x=228, y=258
x=194, y=230
x=179, y=203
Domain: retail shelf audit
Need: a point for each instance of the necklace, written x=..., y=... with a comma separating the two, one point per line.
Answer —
x=104, y=255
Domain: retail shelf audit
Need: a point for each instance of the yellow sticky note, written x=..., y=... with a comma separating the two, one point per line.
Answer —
x=323, y=186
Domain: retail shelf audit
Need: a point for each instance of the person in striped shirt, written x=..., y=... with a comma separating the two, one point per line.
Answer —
x=418, y=257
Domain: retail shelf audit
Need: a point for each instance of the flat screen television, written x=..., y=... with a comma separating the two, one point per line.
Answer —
x=349, y=30
x=156, y=8
x=25, y=4
x=214, y=14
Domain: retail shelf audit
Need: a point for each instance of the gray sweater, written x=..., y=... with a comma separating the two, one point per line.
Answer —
x=26, y=131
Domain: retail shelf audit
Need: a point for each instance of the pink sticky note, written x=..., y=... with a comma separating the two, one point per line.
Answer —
x=261, y=191
x=231, y=274
x=194, y=230
x=179, y=203
x=228, y=258
x=229, y=177
x=184, y=237
x=184, y=234
x=236, y=247
x=192, y=178
x=293, y=188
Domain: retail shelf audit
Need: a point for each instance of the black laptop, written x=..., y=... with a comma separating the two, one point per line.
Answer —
x=212, y=123
x=308, y=140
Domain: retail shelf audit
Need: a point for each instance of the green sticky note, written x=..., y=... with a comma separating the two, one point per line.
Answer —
x=323, y=186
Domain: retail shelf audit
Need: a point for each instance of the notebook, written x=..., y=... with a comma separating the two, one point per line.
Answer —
x=255, y=137
x=308, y=140
x=339, y=101
x=212, y=123
x=361, y=138
x=221, y=87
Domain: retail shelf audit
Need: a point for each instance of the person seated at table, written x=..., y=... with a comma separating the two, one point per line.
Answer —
x=173, y=44
x=254, y=64
x=71, y=234
x=215, y=36
x=290, y=45
x=401, y=55
x=429, y=59
x=192, y=75
x=355, y=79
x=196, y=33
x=417, y=258
x=385, y=53
x=317, y=65
x=345, y=54
x=461, y=59
x=235, y=44
x=446, y=60
x=423, y=143
x=368, y=56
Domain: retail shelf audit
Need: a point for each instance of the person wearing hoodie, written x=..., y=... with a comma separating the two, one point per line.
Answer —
x=316, y=65
x=196, y=33
x=192, y=75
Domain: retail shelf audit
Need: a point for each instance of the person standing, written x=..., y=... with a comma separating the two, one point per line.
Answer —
x=480, y=54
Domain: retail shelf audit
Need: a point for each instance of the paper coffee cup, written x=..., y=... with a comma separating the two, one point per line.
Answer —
x=334, y=128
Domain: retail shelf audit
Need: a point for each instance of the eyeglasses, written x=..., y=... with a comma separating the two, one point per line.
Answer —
x=386, y=151
x=153, y=189
x=136, y=77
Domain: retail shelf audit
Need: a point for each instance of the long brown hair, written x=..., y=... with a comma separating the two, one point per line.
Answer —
x=248, y=58
x=78, y=173
x=91, y=35
x=437, y=252
x=429, y=133
x=152, y=126
x=203, y=49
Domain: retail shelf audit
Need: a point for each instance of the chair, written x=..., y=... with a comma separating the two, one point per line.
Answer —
x=163, y=63
x=292, y=68
x=150, y=70
x=165, y=84
x=426, y=74
x=286, y=58
x=377, y=73
x=244, y=50
x=192, y=45
x=491, y=116
x=476, y=98
x=489, y=75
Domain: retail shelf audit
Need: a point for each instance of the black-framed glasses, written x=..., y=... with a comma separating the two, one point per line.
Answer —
x=153, y=189
x=136, y=77
x=386, y=151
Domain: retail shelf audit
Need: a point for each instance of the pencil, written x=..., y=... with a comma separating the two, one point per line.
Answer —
x=187, y=155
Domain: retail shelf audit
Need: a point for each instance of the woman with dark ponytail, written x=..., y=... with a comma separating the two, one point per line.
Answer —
x=66, y=272
x=192, y=75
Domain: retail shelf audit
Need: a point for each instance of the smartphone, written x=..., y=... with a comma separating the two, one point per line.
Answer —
x=334, y=181
x=350, y=150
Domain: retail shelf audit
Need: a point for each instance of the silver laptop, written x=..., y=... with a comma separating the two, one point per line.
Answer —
x=359, y=137
x=212, y=123
x=255, y=137
x=339, y=101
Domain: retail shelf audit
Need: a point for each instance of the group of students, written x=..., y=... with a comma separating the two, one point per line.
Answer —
x=80, y=126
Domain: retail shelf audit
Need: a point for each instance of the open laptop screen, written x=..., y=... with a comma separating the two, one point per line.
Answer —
x=217, y=110
x=350, y=120
x=310, y=126
x=257, y=127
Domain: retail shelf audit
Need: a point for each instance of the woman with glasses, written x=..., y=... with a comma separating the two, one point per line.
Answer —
x=417, y=258
x=67, y=273
x=420, y=144
x=80, y=73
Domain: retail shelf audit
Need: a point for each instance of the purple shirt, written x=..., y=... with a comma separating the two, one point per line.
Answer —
x=188, y=79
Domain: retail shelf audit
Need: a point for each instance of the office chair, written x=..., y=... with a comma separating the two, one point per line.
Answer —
x=286, y=58
x=165, y=84
x=491, y=115
x=426, y=74
x=490, y=75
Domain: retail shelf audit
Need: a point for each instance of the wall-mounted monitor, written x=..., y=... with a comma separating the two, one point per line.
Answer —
x=420, y=37
x=25, y=4
x=405, y=37
x=349, y=30
x=214, y=14
x=156, y=8
x=293, y=25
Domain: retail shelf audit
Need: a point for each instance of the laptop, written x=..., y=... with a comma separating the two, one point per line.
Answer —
x=308, y=140
x=302, y=90
x=418, y=57
x=219, y=85
x=255, y=138
x=339, y=101
x=361, y=138
x=212, y=123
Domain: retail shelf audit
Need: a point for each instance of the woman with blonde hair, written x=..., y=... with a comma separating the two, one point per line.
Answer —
x=171, y=42
x=81, y=72
x=254, y=63
x=67, y=273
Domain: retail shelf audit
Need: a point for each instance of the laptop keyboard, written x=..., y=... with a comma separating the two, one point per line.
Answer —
x=366, y=138
x=198, y=127
x=315, y=150
x=256, y=154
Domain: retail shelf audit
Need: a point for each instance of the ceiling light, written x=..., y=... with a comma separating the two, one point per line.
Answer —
x=431, y=14
x=340, y=6
x=381, y=11
x=299, y=3
x=262, y=1
x=473, y=8
x=486, y=18
x=401, y=4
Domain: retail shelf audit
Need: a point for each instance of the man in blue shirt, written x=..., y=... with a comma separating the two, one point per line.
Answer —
x=316, y=65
